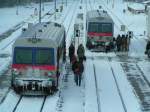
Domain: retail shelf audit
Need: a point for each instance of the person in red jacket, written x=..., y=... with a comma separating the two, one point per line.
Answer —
x=73, y=59
x=78, y=69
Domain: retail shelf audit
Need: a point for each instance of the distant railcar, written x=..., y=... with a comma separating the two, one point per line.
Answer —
x=100, y=28
x=38, y=55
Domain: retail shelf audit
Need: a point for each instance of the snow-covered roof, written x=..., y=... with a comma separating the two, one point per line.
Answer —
x=98, y=16
x=137, y=6
x=146, y=2
x=50, y=32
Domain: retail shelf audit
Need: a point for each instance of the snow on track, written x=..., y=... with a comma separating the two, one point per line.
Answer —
x=10, y=102
x=30, y=103
x=91, y=104
x=50, y=103
x=138, y=81
x=129, y=97
x=145, y=67
x=109, y=96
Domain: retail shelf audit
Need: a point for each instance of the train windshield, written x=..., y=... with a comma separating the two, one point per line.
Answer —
x=106, y=28
x=43, y=56
x=93, y=27
x=23, y=56
x=34, y=56
x=100, y=27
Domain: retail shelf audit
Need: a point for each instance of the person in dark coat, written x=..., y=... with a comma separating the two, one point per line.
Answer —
x=73, y=59
x=118, y=43
x=78, y=69
x=71, y=51
x=147, y=47
x=81, y=52
x=123, y=43
x=127, y=43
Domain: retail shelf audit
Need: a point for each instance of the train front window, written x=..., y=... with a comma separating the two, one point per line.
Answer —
x=100, y=27
x=106, y=28
x=93, y=27
x=44, y=57
x=23, y=56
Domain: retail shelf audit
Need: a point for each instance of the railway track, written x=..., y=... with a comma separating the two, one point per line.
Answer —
x=118, y=89
x=17, y=104
x=96, y=85
x=24, y=103
x=139, y=82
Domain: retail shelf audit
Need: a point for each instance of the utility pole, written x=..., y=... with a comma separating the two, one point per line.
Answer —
x=66, y=2
x=17, y=8
x=43, y=6
x=62, y=2
x=55, y=9
x=113, y=4
x=40, y=11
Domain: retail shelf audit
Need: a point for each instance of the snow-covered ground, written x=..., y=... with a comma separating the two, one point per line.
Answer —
x=24, y=14
x=105, y=86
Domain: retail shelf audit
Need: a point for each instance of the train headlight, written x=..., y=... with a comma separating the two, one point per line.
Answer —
x=93, y=42
x=15, y=71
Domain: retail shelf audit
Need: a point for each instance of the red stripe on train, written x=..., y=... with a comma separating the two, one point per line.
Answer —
x=99, y=34
x=41, y=67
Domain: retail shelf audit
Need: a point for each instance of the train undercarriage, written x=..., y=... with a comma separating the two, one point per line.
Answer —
x=34, y=87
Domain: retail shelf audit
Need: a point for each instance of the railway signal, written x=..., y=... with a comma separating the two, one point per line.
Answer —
x=77, y=33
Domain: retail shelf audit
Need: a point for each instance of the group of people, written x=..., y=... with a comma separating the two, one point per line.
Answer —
x=123, y=42
x=77, y=62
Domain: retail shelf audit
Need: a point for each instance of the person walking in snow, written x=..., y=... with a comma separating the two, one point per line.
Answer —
x=147, y=47
x=118, y=43
x=78, y=69
x=73, y=59
x=71, y=51
x=81, y=53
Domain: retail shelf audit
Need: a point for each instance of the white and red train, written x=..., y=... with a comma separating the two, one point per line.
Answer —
x=37, y=60
x=100, y=29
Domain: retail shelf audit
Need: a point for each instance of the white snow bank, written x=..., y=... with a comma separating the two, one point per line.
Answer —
x=137, y=6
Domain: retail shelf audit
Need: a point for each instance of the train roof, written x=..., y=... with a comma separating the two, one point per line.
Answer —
x=50, y=32
x=98, y=16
